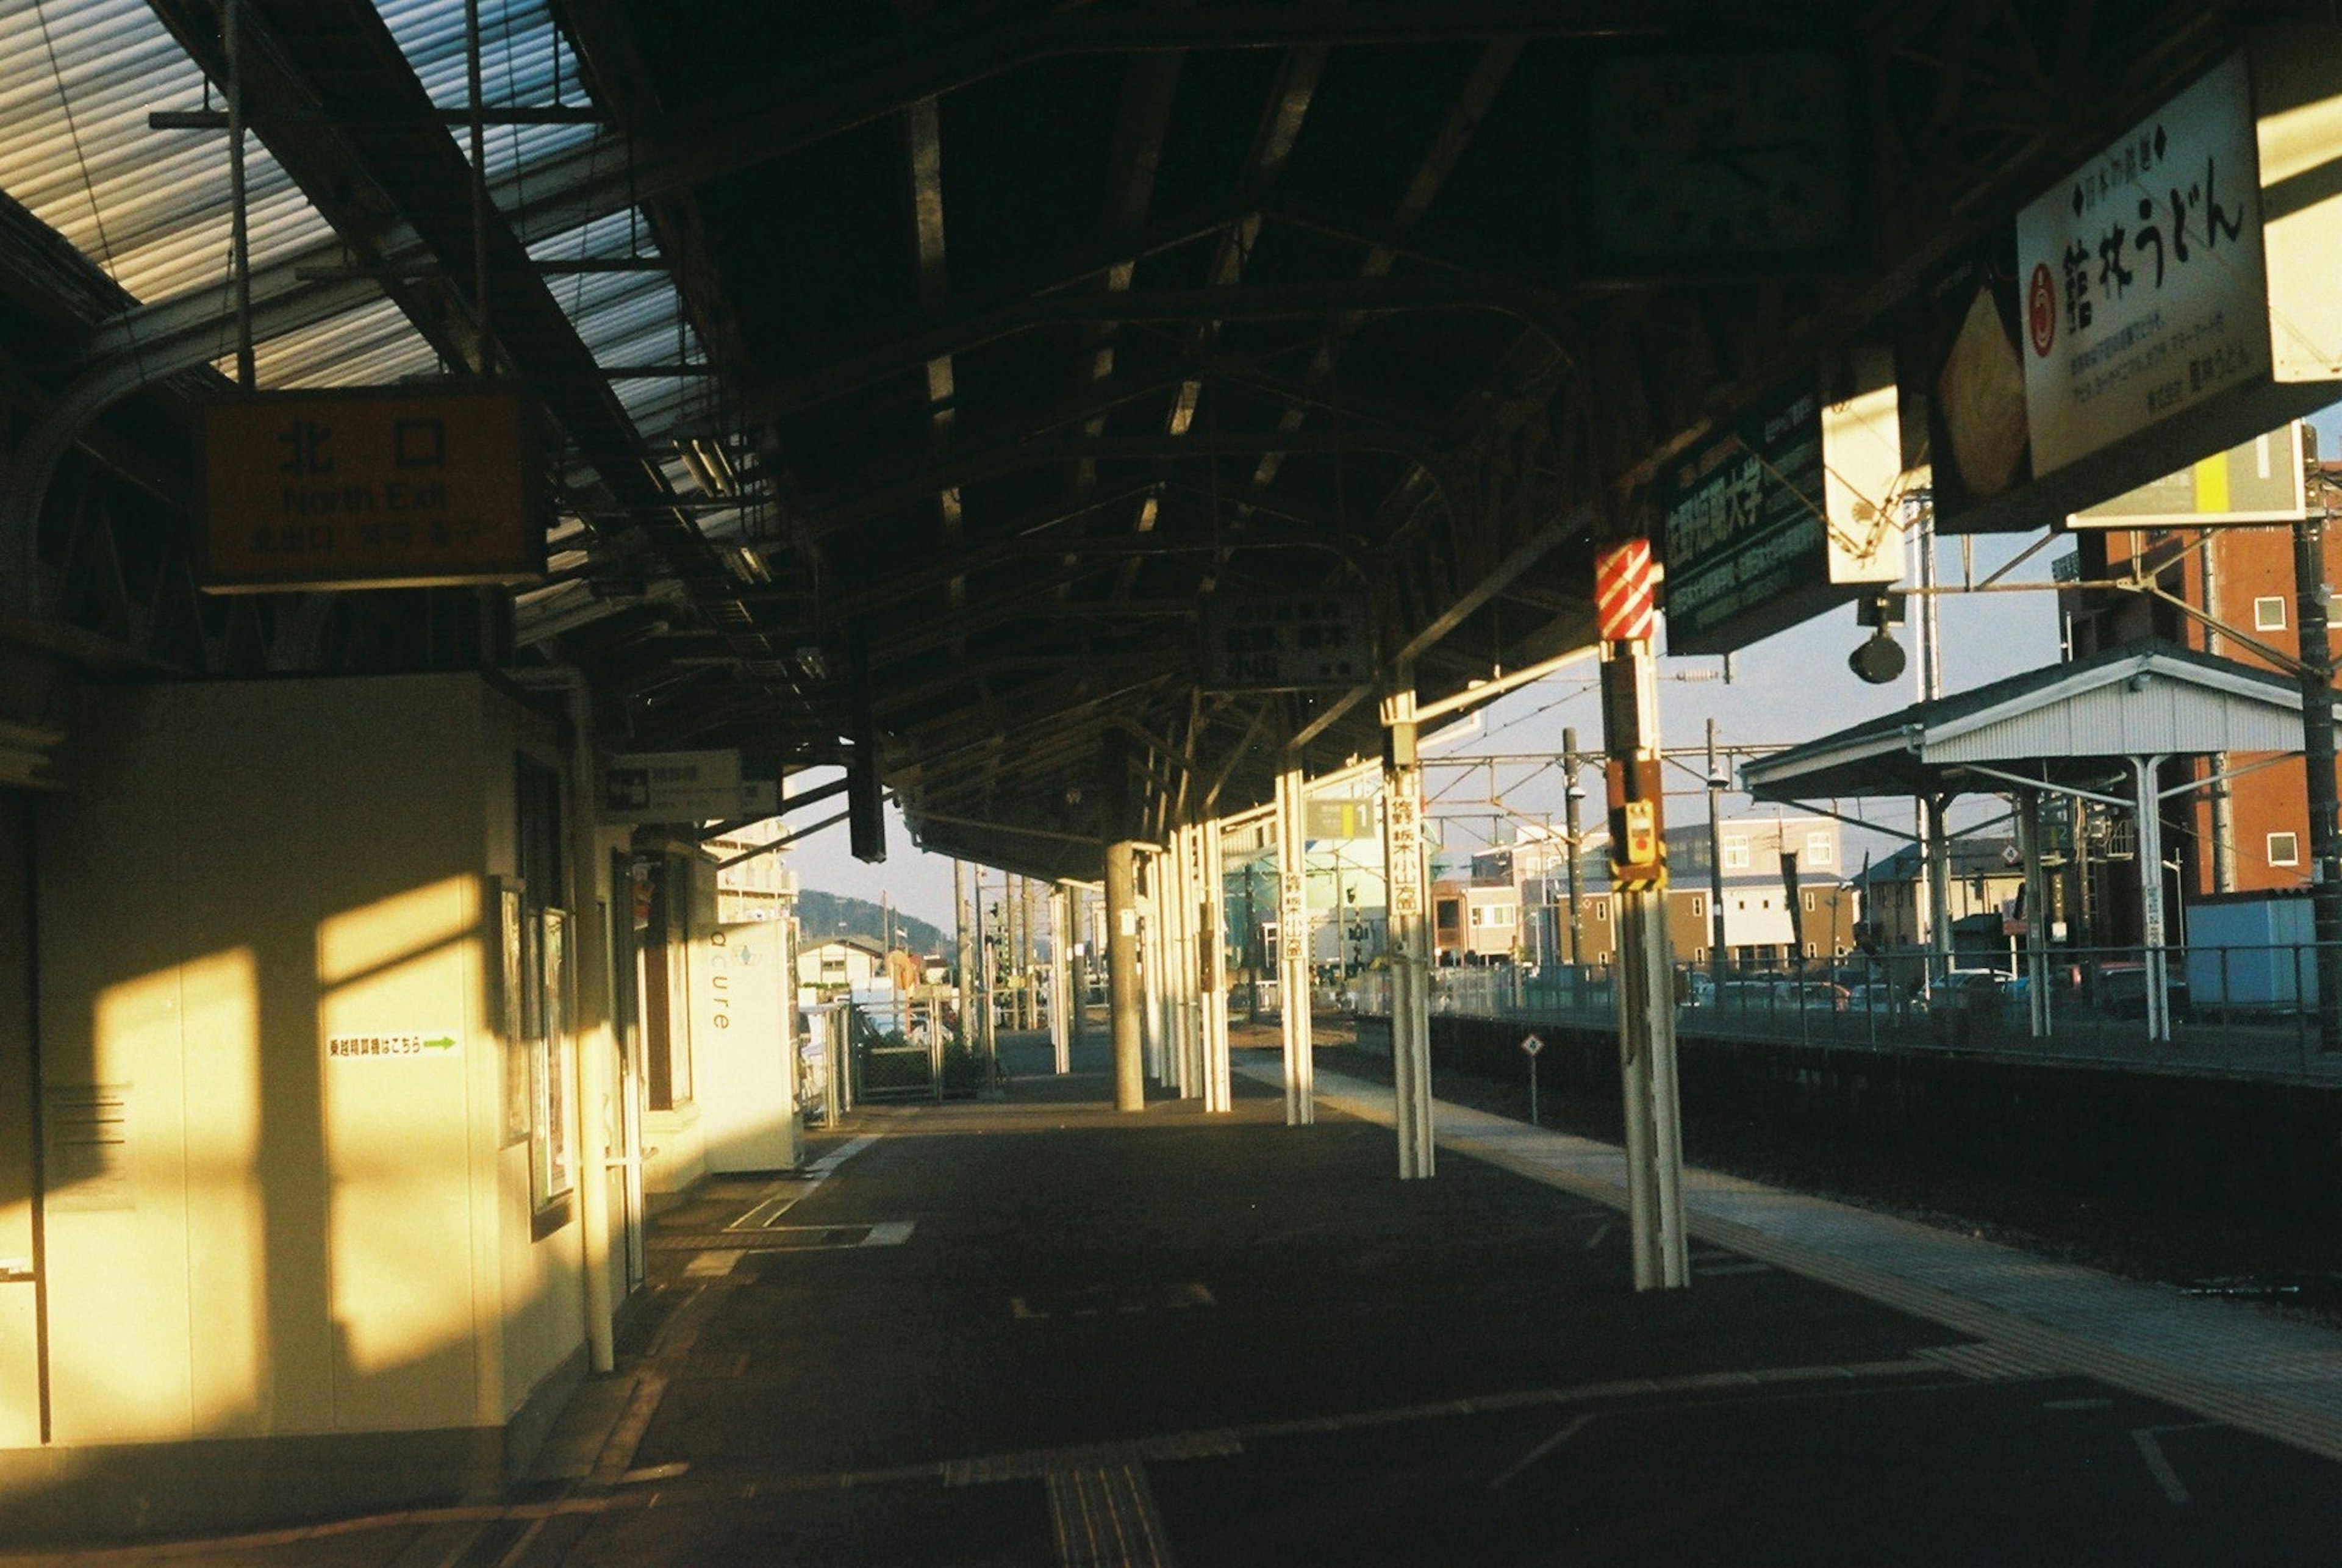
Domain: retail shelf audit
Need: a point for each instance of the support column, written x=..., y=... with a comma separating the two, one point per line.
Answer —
x=1061, y=980
x=1647, y=1012
x=1191, y=964
x=1292, y=945
x=1151, y=906
x=1409, y=944
x=2310, y=595
x=2147, y=809
x=1218, y=1091
x=2037, y=915
x=1937, y=849
x=1123, y=1000
x=963, y=949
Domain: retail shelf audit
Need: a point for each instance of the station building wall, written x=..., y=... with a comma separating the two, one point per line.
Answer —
x=275, y=1269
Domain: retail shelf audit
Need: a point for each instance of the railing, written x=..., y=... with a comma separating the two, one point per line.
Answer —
x=2234, y=1009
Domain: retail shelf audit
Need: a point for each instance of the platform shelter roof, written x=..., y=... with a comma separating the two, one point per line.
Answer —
x=2069, y=723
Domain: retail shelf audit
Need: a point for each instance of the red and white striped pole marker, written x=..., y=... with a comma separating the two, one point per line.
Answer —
x=1622, y=591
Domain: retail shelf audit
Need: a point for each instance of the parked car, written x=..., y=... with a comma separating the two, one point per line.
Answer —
x=2121, y=991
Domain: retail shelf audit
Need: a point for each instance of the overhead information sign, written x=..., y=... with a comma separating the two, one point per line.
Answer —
x=2263, y=481
x=2168, y=298
x=1790, y=510
x=1339, y=819
x=2143, y=284
x=1285, y=643
x=389, y=488
x=688, y=786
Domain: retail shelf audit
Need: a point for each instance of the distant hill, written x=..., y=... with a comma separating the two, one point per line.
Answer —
x=822, y=915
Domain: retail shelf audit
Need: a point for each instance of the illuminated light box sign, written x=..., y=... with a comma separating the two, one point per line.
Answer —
x=1330, y=819
x=2262, y=482
x=2166, y=300
x=394, y=487
x=1790, y=510
x=1285, y=643
x=688, y=786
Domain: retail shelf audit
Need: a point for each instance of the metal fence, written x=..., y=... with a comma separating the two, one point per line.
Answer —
x=2242, y=1010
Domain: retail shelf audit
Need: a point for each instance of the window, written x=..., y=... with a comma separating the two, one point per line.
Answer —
x=2268, y=615
x=1735, y=852
x=1501, y=915
x=1602, y=911
x=1819, y=849
x=1809, y=949
x=1698, y=906
x=2284, y=849
x=1809, y=903
x=1479, y=915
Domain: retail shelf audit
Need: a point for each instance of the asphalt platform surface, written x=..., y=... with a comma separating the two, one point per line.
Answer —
x=1027, y=1330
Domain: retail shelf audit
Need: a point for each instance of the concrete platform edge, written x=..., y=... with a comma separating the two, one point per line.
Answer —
x=2252, y=1411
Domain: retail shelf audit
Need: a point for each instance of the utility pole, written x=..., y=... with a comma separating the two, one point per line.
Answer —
x=1716, y=781
x=2317, y=765
x=1572, y=794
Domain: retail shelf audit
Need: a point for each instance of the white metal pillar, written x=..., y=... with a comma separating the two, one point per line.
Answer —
x=1152, y=905
x=1646, y=1012
x=1411, y=930
x=1218, y=1089
x=1122, y=977
x=1938, y=851
x=2149, y=809
x=1293, y=946
x=1187, y=1021
x=2037, y=915
x=1061, y=982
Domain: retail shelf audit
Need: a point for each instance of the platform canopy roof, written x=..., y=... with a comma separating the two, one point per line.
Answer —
x=913, y=366
x=2073, y=724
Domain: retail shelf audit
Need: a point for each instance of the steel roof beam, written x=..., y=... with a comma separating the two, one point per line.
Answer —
x=832, y=512
x=901, y=352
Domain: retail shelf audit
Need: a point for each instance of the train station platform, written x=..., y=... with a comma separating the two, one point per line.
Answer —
x=1028, y=1330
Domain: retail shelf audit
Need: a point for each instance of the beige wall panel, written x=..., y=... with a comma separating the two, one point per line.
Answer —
x=398, y=1135
x=113, y=939
x=246, y=871
x=543, y=1291
x=20, y=1393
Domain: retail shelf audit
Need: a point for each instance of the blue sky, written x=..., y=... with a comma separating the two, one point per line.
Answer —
x=1789, y=687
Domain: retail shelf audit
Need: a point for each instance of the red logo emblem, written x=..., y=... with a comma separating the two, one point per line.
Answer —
x=2041, y=310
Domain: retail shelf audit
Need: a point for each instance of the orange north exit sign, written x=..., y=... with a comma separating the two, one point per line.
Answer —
x=380, y=487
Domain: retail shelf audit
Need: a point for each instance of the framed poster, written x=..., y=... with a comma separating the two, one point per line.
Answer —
x=552, y=1152
x=506, y=967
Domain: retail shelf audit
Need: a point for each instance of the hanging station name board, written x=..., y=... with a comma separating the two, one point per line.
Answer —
x=2143, y=282
x=1788, y=510
x=393, y=488
x=2166, y=300
x=1285, y=643
x=688, y=786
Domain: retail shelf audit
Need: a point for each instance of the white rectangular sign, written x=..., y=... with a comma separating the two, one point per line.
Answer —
x=688, y=786
x=2144, y=290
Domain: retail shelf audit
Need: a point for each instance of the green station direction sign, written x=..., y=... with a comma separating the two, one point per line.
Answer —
x=1788, y=510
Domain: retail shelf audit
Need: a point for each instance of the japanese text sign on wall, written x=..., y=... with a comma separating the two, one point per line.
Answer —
x=380, y=488
x=1285, y=643
x=2143, y=286
x=1403, y=841
x=688, y=786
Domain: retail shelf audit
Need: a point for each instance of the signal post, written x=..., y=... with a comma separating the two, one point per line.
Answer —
x=1638, y=874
